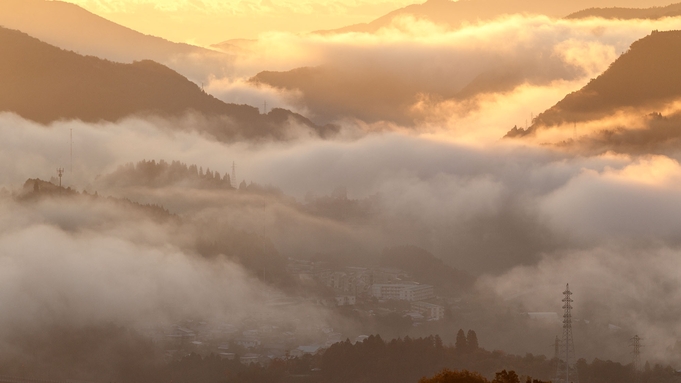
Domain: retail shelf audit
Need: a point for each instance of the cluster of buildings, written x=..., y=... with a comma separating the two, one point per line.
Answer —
x=248, y=342
x=369, y=291
x=369, y=286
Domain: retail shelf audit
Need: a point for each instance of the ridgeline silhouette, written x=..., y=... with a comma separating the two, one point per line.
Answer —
x=654, y=13
x=647, y=76
x=43, y=83
x=54, y=21
x=455, y=13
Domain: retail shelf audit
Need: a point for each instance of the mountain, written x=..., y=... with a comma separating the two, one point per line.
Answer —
x=43, y=83
x=644, y=78
x=454, y=13
x=654, y=13
x=71, y=27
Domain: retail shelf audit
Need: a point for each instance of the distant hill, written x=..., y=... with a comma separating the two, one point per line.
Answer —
x=44, y=84
x=654, y=13
x=255, y=252
x=454, y=13
x=646, y=76
x=71, y=27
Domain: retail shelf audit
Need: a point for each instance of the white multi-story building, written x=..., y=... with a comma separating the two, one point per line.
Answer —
x=404, y=292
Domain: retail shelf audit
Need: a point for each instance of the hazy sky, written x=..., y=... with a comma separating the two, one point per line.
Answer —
x=207, y=22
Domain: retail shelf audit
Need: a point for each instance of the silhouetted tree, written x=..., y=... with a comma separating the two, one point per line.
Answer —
x=472, y=340
x=449, y=376
x=461, y=343
x=506, y=377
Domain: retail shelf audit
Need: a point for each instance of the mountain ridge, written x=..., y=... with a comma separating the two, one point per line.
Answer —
x=44, y=83
x=646, y=76
x=654, y=13
x=455, y=13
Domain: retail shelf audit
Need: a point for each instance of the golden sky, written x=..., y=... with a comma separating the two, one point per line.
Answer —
x=206, y=22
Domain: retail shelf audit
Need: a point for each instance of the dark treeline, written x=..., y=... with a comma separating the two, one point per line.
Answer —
x=161, y=173
x=654, y=13
x=130, y=358
x=405, y=360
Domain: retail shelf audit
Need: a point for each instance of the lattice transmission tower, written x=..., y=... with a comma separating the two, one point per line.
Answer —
x=566, y=371
x=635, y=343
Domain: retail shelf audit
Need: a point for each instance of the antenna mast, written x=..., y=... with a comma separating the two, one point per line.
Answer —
x=60, y=172
x=71, y=151
x=566, y=368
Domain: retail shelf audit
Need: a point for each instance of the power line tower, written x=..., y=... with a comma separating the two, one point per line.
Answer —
x=60, y=172
x=635, y=343
x=566, y=370
x=234, y=184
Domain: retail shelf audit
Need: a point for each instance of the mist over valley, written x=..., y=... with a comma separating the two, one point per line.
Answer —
x=401, y=199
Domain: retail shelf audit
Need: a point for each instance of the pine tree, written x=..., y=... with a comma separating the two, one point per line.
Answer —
x=461, y=343
x=472, y=340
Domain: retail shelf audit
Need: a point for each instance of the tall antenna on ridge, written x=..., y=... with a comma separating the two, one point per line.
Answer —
x=566, y=370
x=60, y=172
x=71, y=151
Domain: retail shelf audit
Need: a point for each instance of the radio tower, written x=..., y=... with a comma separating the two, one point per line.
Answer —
x=635, y=342
x=566, y=372
x=60, y=172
